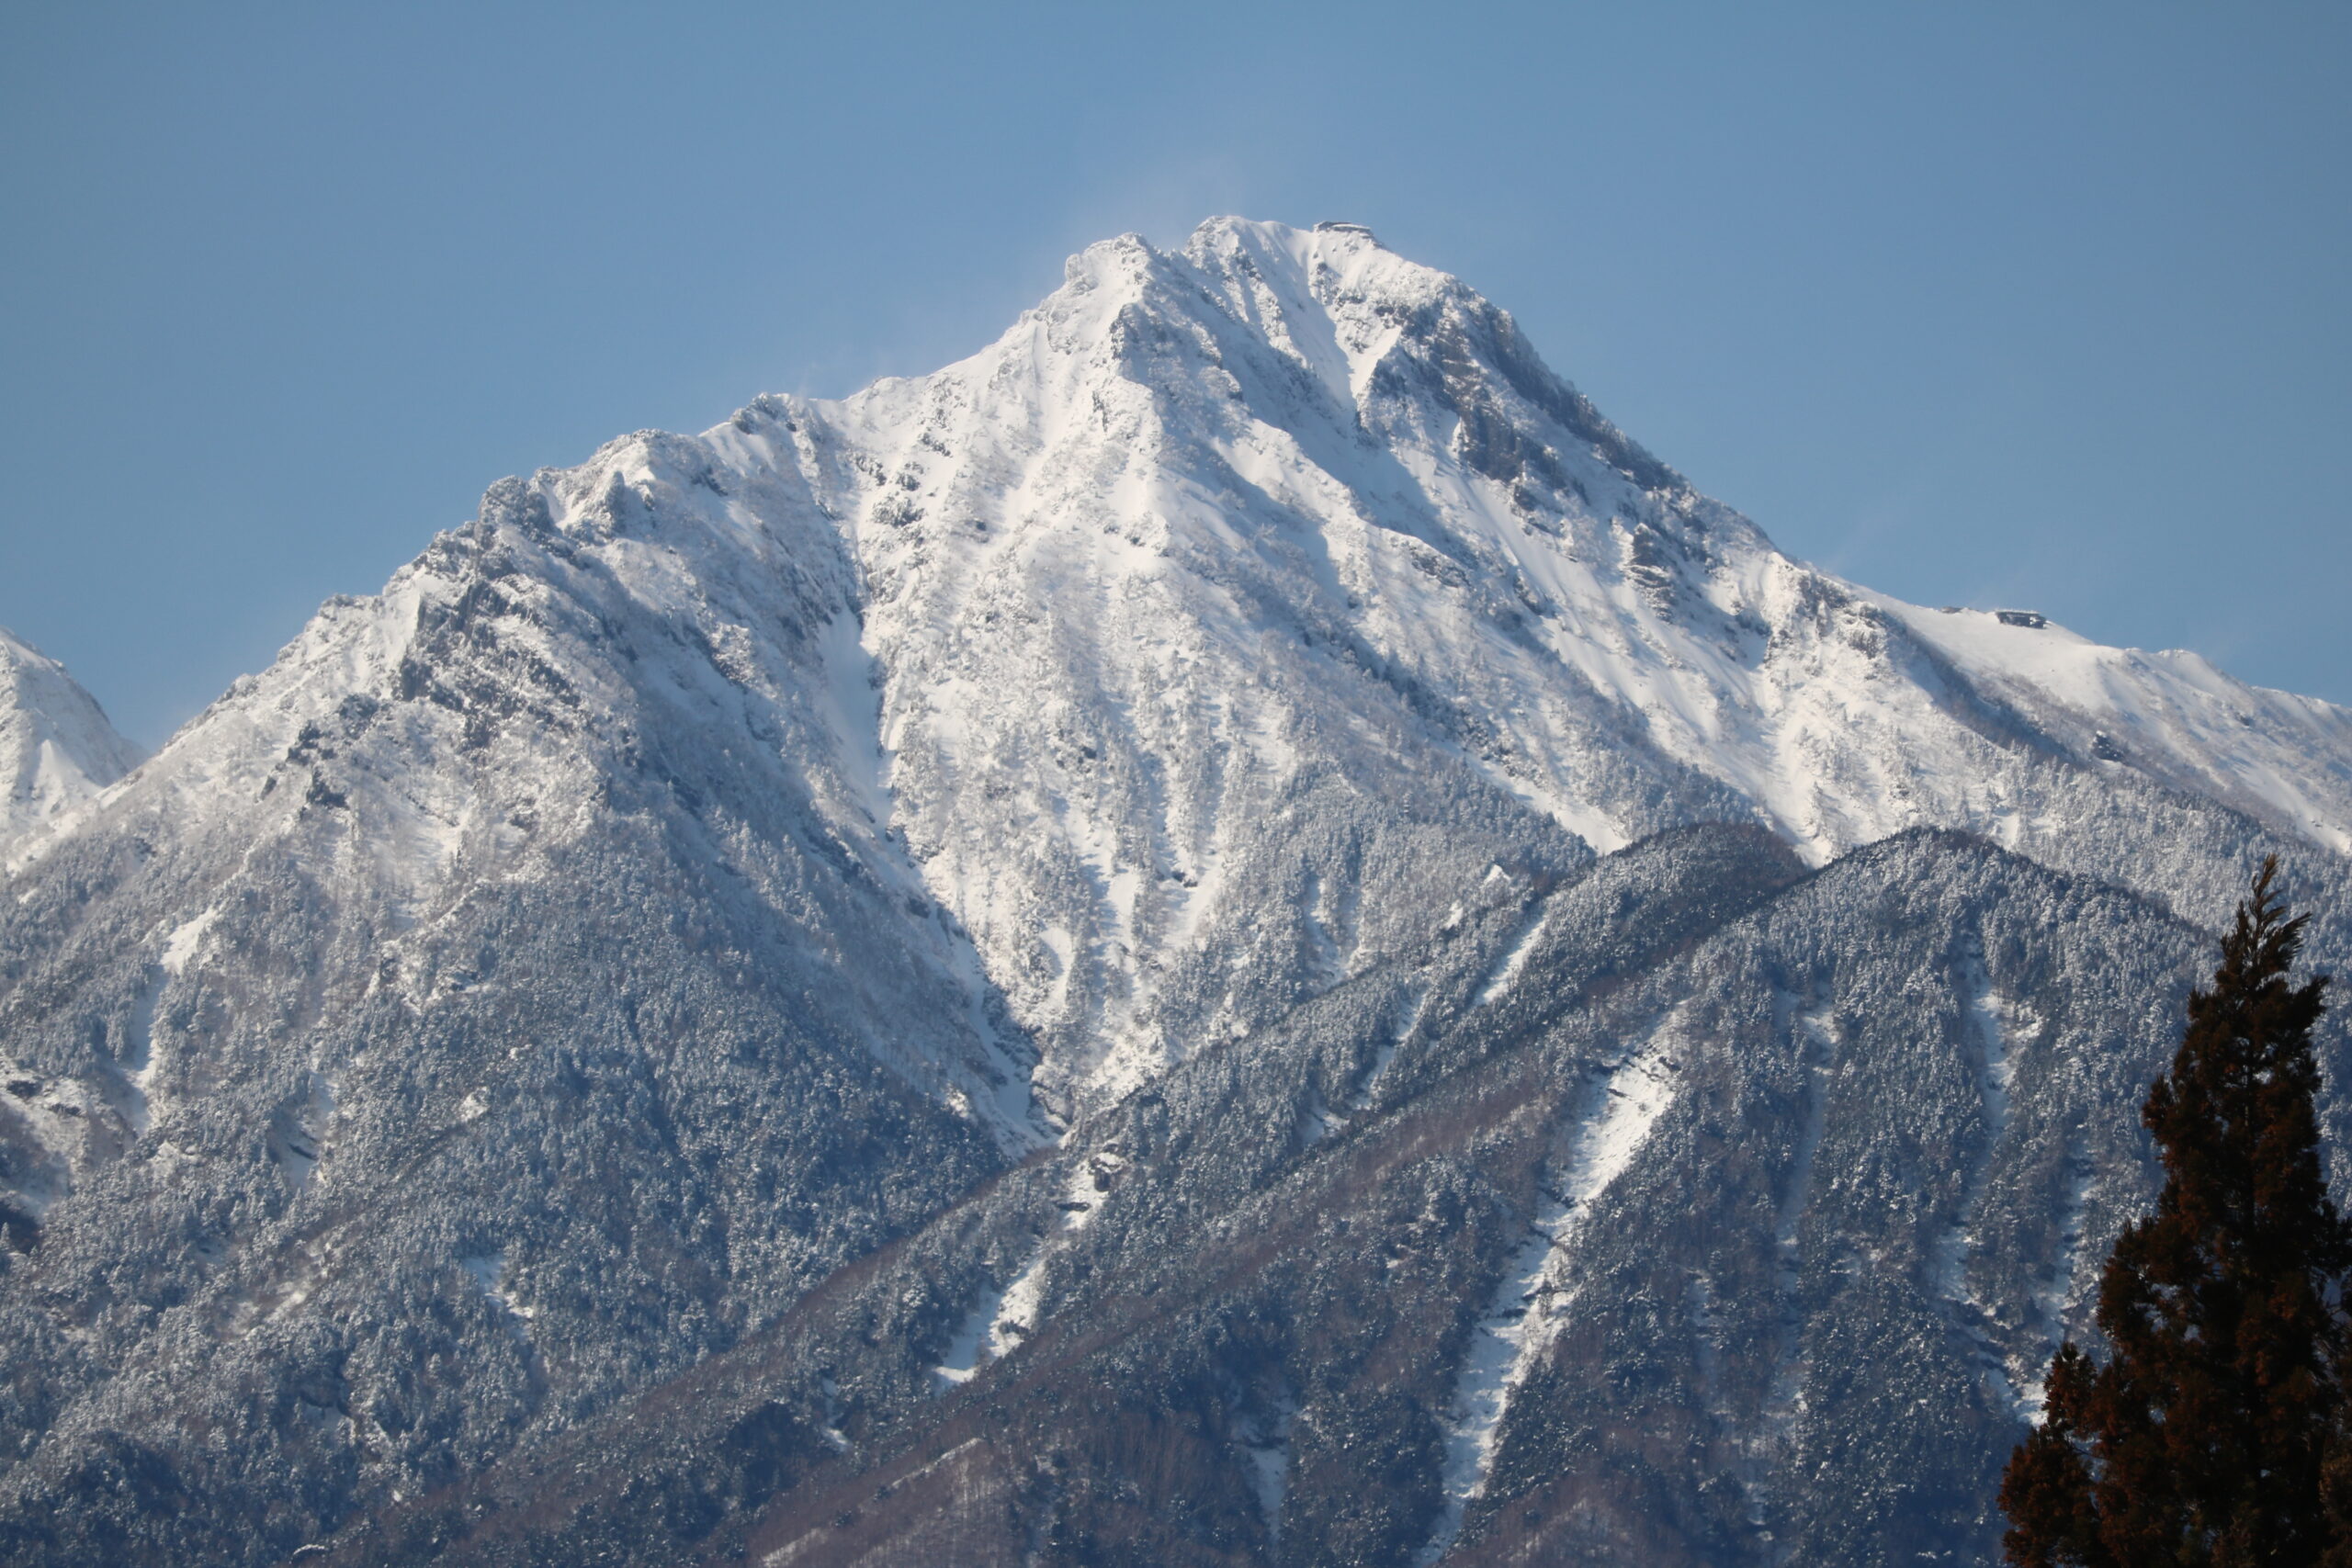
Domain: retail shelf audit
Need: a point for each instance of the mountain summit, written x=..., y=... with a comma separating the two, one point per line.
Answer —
x=1207, y=522
x=57, y=750
x=790, y=946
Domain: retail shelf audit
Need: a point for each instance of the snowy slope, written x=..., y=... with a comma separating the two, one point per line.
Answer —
x=1203, y=640
x=486, y=711
x=57, y=750
x=2277, y=757
x=515, y=975
x=1206, y=526
x=721, y=857
x=1192, y=644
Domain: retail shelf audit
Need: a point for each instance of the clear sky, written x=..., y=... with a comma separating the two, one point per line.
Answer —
x=1989, y=303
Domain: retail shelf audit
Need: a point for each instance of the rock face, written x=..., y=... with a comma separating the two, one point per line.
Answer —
x=1232, y=932
x=57, y=750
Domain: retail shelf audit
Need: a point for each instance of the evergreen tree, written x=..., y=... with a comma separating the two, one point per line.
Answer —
x=2203, y=1438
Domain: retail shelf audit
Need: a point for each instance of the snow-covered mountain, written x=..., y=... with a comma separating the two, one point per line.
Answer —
x=1305, y=430
x=870, y=824
x=1100, y=636
x=1203, y=525
x=57, y=750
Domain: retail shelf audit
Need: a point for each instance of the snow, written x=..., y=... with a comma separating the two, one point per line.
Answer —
x=851, y=709
x=1061, y=640
x=2060, y=1291
x=1088, y=519
x=1530, y=1307
x=1001, y=1319
x=1989, y=1021
x=1012, y=1315
x=1211, y=639
x=962, y=1362
x=57, y=750
x=2169, y=712
x=180, y=945
x=488, y=1271
x=1021, y=1308
x=1266, y=1446
x=1091, y=518
x=1506, y=972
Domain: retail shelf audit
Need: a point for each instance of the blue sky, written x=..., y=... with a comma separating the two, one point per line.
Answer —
x=1987, y=303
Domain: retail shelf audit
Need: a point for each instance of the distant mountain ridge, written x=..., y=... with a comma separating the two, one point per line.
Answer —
x=57, y=750
x=812, y=907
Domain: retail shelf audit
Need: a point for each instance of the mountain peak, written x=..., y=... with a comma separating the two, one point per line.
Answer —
x=1426, y=328
x=57, y=748
x=1253, y=725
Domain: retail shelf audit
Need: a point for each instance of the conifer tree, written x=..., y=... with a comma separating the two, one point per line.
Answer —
x=2202, y=1436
